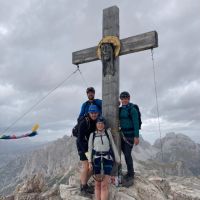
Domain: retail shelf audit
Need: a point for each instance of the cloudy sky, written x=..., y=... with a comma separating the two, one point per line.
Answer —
x=37, y=38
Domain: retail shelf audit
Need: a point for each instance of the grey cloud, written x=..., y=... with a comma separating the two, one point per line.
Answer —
x=35, y=56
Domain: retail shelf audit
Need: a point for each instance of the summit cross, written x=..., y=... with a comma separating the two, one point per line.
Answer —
x=110, y=63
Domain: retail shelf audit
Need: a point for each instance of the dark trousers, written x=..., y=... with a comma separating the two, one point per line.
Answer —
x=127, y=149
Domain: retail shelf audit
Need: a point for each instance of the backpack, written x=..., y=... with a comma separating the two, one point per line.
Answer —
x=76, y=127
x=110, y=150
x=138, y=111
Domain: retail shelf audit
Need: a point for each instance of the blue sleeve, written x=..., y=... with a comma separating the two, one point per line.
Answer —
x=98, y=102
x=82, y=113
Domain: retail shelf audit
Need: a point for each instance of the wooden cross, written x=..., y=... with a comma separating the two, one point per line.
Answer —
x=110, y=82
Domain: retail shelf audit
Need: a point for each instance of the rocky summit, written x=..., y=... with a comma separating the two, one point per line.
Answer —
x=51, y=172
x=152, y=188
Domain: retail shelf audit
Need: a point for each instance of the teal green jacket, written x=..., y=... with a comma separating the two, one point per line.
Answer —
x=129, y=120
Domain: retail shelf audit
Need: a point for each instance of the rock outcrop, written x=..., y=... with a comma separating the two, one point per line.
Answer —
x=34, y=188
x=51, y=172
x=152, y=188
x=180, y=148
x=53, y=159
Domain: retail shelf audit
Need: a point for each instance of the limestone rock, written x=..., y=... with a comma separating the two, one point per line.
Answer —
x=180, y=148
x=10, y=197
x=53, y=159
x=35, y=188
x=35, y=184
x=142, y=190
x=162, y=183
x=68, y=192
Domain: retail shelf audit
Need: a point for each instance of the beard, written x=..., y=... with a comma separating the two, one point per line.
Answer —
x=91, y=97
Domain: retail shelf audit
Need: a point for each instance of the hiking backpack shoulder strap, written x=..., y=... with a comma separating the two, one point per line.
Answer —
x=87, y=121
x=93, y=137
x=120, y=109
x=136, y=107
x=133, y=106
x=111, y=148
x=138, y=111
x=107, y=135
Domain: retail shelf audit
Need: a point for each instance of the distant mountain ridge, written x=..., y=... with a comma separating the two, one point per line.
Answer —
x=179, y=147
x=10, y=149
x=54, y=159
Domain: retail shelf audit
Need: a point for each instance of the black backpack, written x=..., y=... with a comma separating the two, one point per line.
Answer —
x=110, y=150
x=138, y=110
x=76, y=127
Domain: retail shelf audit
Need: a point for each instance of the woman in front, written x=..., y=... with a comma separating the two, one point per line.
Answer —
x=102, y=155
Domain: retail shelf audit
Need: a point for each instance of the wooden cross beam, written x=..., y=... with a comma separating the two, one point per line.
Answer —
x=129, y=45
x=110, y=83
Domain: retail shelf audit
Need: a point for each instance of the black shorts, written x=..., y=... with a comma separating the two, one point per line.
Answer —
x=106, y=166
x=82, y=157
x=81, y=148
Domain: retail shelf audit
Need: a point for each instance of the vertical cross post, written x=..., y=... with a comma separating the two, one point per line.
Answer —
x=110, y=83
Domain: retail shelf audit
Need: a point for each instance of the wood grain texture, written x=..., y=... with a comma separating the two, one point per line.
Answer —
x=111, y=21
x=110, y=83
x=139, y=43
x=84, y=56
x=129, y=45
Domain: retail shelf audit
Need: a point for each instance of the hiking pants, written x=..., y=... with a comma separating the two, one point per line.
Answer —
x=127, y=149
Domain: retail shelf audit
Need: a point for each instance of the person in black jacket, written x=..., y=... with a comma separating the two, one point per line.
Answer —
x=86, y=126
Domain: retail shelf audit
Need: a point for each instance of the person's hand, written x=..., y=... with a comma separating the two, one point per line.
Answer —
x=90, y=166
x=136, y=141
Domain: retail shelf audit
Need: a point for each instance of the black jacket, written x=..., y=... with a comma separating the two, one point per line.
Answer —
x=84, y=130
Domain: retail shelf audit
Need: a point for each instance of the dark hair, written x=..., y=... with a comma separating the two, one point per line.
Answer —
x=90, y=89
x=101, y=119
x=124, y=95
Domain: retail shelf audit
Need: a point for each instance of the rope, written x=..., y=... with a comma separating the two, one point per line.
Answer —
x=81, y=74
x=39, y=101
x=157, y=106
x=125, y=140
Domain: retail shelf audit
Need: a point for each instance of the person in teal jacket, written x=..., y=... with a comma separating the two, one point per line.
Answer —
x=129, y=124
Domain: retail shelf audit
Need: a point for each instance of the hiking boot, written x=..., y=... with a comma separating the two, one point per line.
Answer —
x=85, y=189
x=128, y=180
x=125, y=176
x=90, y=189
x=128, y=176
x=84, y=193
x=127, y=183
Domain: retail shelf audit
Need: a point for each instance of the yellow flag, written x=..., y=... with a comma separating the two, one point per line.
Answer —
x=35, y=127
